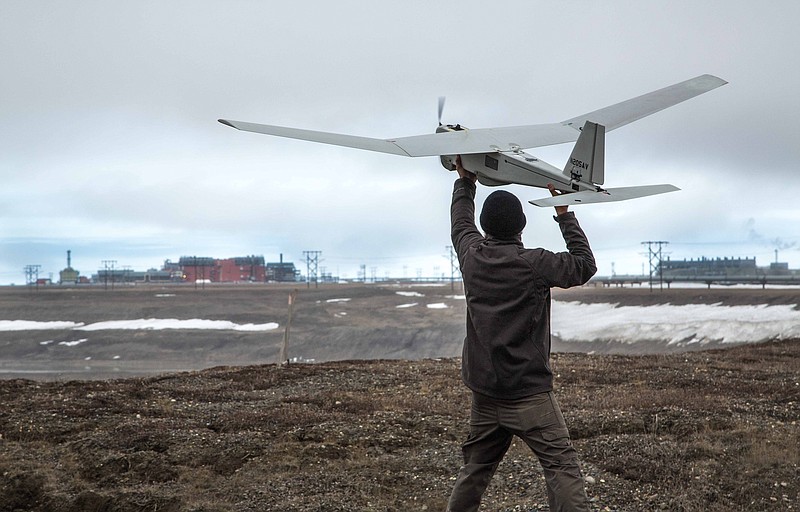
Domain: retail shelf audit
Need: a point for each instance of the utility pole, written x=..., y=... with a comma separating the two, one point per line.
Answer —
x=654, y=254
x=283, y=357
x=108, y=265
x=312, y=264
x=453, y=266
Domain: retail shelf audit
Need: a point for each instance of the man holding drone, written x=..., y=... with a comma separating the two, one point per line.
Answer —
x=506, y=355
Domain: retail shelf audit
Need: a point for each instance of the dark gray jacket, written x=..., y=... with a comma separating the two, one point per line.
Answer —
x=507, y=350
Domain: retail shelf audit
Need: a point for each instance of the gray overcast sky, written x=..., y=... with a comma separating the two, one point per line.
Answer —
x=109, y=144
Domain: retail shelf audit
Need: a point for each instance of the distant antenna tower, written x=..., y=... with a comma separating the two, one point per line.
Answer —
x=312, y=264
x=654, y=254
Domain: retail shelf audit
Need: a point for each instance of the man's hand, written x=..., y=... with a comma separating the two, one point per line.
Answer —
x=560, y=210
x=463, y=173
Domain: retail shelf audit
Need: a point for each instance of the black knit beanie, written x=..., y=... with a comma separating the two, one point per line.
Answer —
x=502, y=215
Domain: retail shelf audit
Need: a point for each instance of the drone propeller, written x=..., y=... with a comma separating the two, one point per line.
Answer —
x=441, y=108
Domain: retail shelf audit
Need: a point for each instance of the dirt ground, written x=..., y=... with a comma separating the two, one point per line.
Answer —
x=706, y=430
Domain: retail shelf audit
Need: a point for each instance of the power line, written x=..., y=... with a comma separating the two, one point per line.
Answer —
x=32, y=275
x=312, y=265
x=453, y=267
x=109, y=265
x=654, y=254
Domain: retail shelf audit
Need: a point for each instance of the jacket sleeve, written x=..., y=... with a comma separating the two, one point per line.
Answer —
x=463, y=232
x=575, y=266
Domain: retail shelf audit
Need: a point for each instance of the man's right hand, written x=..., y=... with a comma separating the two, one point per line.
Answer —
x=560, y=210
x=463, y=173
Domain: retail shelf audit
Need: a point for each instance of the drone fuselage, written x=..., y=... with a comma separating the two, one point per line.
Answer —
x=497, y=169
x=512, y=167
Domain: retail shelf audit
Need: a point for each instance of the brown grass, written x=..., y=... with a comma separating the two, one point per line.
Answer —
x=697, y=431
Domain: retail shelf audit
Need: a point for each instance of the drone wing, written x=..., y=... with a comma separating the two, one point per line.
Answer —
x=604, y=196
x=351, y=141
x=510, y=138
x=463, y=142
x=634, y=109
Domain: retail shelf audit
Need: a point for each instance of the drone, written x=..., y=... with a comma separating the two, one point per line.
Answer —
x=496, y=155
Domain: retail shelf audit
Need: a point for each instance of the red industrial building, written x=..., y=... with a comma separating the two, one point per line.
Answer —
x=250, y=269
x=247, y=268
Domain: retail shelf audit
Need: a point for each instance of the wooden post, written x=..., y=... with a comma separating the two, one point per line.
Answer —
x=283, y=358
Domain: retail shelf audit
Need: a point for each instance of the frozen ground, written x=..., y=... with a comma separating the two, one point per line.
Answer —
x=572, y=321
x=146, y=330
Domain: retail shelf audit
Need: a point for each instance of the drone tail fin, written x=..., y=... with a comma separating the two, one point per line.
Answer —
x=587, y=161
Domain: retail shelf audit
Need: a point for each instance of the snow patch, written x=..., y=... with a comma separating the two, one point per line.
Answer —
x=437, y=305
x=410, y=305
x=30, y=325
x=157, y=324
x=410, y=294
x=687, y=324
x=141, y=324
x=73, y=343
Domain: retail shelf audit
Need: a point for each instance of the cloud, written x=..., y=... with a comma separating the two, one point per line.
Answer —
x=109, y=139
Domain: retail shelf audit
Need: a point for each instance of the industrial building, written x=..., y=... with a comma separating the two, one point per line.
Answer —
x=720, y=271
x=720, y=267
x=231, y=270
x=202, y=269
x=194, y=269
x=69, y=275
x=250, y=269
x=126, y=275
x=708, y=267
x=282, y=272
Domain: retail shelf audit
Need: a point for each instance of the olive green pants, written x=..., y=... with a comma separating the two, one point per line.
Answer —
x=537, y=420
